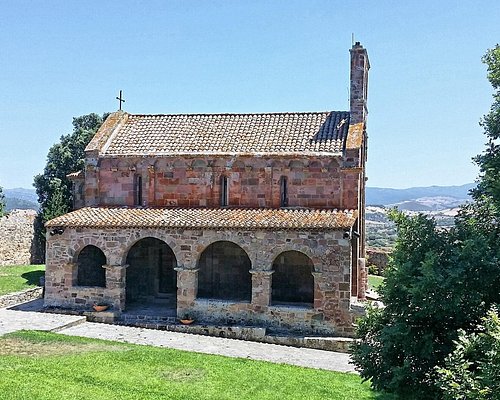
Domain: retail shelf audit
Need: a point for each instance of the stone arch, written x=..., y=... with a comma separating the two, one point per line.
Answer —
x=224, y=272
x=296, y=165
x=293, y=280
x=315, y=166
x=199, y=164
x=150, y=271
x=89, y=264
x=139, y=235
x=238, y=165
x=179, y=163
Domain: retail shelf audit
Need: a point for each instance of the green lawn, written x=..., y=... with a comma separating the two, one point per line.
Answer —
x=14, y=278
x=40, y=365
x=374, y=281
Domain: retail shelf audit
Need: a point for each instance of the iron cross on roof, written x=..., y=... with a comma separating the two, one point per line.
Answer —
x=120, y=100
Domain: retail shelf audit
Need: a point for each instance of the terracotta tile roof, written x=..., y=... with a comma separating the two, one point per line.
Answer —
x=143, y=135
x=196, y=218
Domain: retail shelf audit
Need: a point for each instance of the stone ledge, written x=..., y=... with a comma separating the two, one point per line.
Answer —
x=12, y=299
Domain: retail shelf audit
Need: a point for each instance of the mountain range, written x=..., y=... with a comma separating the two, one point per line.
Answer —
x=431, y=198
x=20, y=198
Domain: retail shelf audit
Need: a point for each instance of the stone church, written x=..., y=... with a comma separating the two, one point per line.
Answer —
x=248, y=219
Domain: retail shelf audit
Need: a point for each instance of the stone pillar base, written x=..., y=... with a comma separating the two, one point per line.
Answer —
x=261, y=287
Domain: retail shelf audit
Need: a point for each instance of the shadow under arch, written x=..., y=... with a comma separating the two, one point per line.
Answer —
x=224, y=272
x=150, y=273
x=292, y=280
x=89, y=261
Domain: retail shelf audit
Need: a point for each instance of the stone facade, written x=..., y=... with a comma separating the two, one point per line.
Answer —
x=11, y=299
x=16, y=233
x=233, y=219
x=328, y=251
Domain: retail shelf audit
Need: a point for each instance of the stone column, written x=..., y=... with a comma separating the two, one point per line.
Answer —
x=261, y=287
x=151, y=187
x=319, y=298
x=70, y=277
x=187, y=289
x=116, y=285
x=362, y=278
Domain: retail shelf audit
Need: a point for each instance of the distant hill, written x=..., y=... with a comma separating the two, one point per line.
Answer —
x=20, y=199
x=439, y=202
x=431, y=198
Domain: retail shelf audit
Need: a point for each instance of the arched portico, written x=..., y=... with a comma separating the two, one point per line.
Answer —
x=292, y=279
x=150, y=271
x=224, y=272
x=89, y=264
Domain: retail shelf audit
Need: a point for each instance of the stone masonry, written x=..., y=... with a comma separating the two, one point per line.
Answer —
x=234, y=219
x=329, y=252
x=16, y=237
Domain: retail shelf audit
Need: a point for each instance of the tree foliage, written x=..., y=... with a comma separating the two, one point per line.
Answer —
x=439, y=283
x=52, y=186
x=2, y=202
x=489, y=160
x=472, y=370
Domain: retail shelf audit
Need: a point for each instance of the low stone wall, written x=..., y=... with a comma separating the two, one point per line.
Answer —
x=378, y=257
x=16, y=237
x=12, y=299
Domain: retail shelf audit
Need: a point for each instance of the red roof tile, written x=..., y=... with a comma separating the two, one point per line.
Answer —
x=145, y=135
x=196, y=218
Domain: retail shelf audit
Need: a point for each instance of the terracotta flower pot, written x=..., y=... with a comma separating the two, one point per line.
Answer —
x=99, y=308
x=187, y=321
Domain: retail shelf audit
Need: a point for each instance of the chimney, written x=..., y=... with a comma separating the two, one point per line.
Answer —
x=359, y=83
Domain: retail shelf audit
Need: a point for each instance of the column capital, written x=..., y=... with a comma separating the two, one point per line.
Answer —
x=116, y=267
x=184, y=269
x=262, y=272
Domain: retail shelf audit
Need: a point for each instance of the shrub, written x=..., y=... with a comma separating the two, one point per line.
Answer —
x=472, y=370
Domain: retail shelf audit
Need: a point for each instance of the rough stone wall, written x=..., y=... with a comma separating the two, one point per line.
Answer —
x=12, y=299
x=379, y=258
x=315, y=182
x=329, y=252
x=16, y=237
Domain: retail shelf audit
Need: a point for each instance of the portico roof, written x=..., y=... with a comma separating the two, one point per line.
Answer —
x=206, y=218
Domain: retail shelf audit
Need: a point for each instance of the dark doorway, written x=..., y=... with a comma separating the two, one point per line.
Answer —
x=150, y=272
x=225, y=273
x=292, y=280
x=90, y=271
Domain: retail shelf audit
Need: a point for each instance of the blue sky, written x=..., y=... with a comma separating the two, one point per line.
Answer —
x=427, y=86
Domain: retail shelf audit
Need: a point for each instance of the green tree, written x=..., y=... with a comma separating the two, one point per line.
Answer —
x=2, y=202
x=489, y=160
x=472, y=370
x=52, y=186
x=439, y=283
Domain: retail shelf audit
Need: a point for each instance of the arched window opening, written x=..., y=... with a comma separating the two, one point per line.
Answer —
x=224, y=273
x=224, y=191
x=137, y=190
x=89, y=267
x=150, y=272
x=284, y=191
x=292, y=280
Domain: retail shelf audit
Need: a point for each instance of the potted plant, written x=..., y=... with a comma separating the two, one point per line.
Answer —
x=98, y=307
x=186, y=320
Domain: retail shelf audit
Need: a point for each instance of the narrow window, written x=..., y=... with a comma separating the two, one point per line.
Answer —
x=224, y=191
x=137, y=190
x=284, y=191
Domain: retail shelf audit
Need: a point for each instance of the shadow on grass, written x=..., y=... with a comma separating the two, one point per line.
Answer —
x=33, y=277
x=384, y=396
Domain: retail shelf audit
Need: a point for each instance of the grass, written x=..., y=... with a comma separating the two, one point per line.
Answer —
x=374, y=281
x=14, y=278
x=41, y=365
